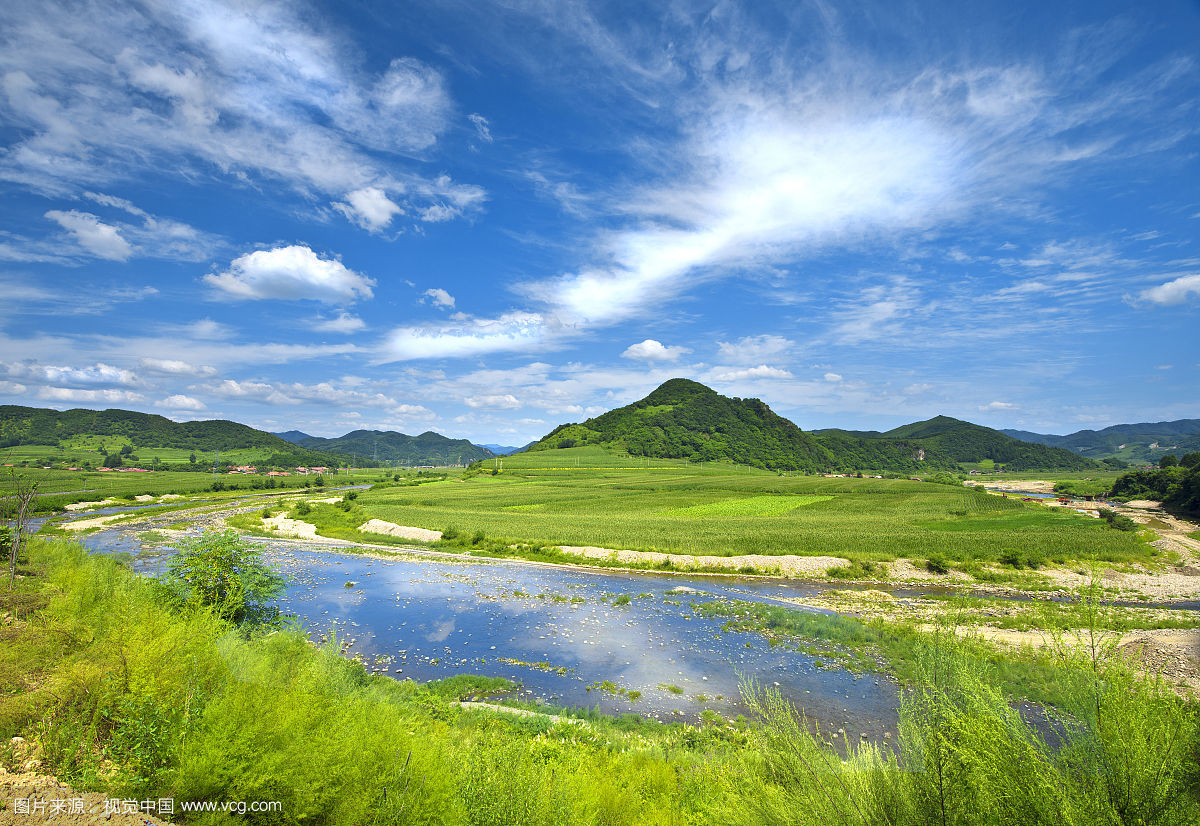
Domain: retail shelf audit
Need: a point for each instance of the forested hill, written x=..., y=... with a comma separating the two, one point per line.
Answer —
x=428, y=448
x=967, y=442
x=1141, y=442
x=683, y=419
x=40, y=426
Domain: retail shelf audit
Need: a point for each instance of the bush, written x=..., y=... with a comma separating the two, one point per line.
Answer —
x=303, y=509
x=936, y=563
x=218, y=570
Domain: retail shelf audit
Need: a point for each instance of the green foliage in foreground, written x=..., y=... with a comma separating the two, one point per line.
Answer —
x=221, y=572
x=126, y=695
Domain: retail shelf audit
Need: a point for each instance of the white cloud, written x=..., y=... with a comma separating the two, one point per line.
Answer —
x=440, y=297
x=481, y=127
x=293, y=272
x=762, y=371
x=833, y=377
x=206, y=328
x=343, y=323
x=469, y=336
x=69, y=394
x=175, y=367
x=502, y=401
x=750, y=349
x=651, y=350
x=369, y=207
x=181, y=402
x=998, y=406
x=97, y=374
x=1175, y=291
x=252, y=93
x=98, y=238
x=332, y=394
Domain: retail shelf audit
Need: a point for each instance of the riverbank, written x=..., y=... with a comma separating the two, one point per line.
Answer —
x=191, y=703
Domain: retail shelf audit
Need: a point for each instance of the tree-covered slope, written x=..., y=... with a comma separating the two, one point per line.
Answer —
x=39, y=426
x=967, y=442
x=683, y=419
x=428, y=448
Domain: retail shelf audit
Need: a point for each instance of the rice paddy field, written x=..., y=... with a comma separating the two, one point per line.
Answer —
x=591, y=496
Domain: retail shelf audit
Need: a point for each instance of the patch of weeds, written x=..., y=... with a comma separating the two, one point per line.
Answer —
x=937, y=564
x=860, y=569
x=670, y=687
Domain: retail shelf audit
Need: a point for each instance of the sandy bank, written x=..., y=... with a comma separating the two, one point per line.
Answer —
x=401, y=531
x=790, y=566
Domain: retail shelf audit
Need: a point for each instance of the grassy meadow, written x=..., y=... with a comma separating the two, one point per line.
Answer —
x=590, y=496
x=58, y=488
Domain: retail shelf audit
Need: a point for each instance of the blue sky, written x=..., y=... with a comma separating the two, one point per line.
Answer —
x=486, y=219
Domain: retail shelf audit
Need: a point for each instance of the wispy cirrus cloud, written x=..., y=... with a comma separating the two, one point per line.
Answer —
x=762, y=160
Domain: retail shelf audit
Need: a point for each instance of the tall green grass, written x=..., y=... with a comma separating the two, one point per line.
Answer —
x=124, y=694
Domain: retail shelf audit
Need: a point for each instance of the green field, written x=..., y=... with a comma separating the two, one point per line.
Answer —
x=57, y=488
x=80, y=449
x=591, y=496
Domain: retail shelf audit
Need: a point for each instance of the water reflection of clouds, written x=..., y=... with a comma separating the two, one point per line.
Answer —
x=441, y=630
x=437, y=620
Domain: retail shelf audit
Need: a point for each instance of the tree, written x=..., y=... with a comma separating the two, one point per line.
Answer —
x=219, y=570
x=113, y=460
x=126, y=450
x=192, y=458
x=1170, y=460
x=15, y=534
x=1190, y=459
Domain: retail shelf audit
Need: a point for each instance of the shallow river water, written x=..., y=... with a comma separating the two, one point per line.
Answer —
x=427, y=618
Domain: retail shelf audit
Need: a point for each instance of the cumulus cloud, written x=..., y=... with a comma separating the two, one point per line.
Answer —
x=291, y=273
x=652, y=350
x=762, y=371
x=70, y=394
x=998, y=406
x=500, y=401
x=175, y=367
x=467, y=336
x=750, y=349
x=343, y=323
x=332, y=394
x=369, y=207
x=90, y=376
x=100, y=239
x=1176, y=291
x=181, y=402
x=833, y=377
x=440, y=297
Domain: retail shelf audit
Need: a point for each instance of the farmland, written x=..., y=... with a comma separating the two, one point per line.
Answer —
x=592, y=496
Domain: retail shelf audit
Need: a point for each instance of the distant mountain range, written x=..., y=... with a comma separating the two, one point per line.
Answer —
x=390, y=447
x=686, y=420
x=507, y=450
x=1146, y=442
x=41, y=426
x=971, y=443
